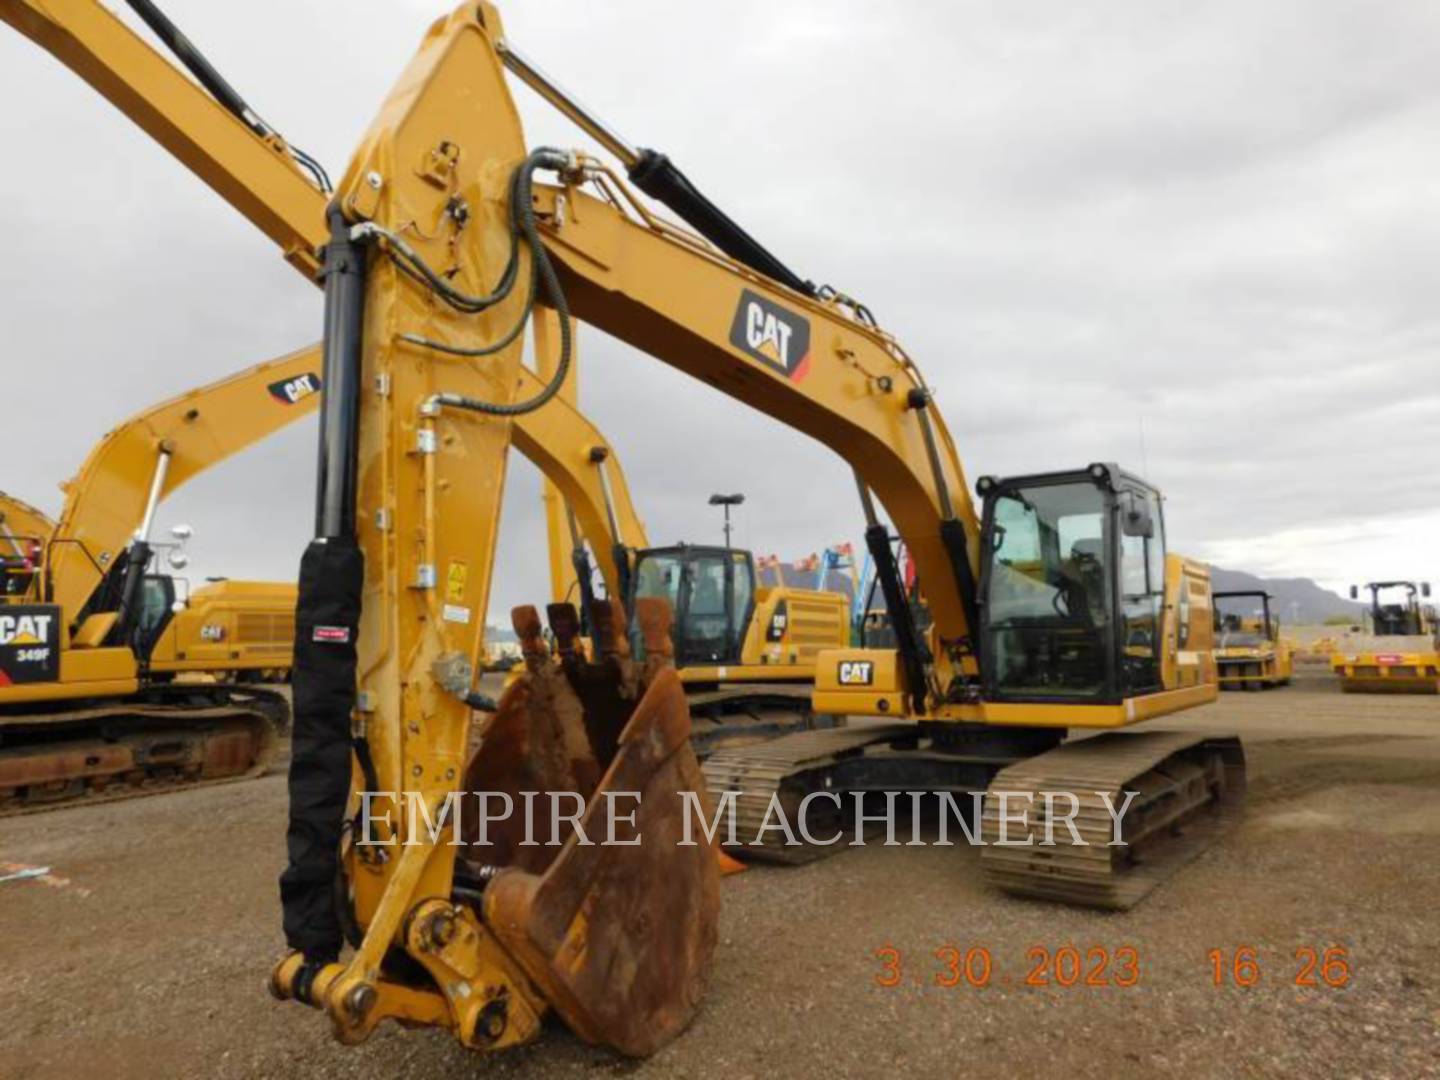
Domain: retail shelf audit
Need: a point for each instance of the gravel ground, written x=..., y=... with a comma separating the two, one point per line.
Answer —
x=146, y=951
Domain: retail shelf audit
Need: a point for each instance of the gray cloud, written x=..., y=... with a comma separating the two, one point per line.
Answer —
x=1197, y=239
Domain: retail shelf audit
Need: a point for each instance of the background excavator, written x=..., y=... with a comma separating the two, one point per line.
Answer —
x=1401, y=652
x=1250, y=654
x=745, y=651
x=1055, y=607
x=91, y=609
x=114, y=682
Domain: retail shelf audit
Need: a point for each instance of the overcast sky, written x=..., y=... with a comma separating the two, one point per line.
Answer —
x=1199, y=239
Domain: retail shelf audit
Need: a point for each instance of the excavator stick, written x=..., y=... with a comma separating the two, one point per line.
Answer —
x=617, y=934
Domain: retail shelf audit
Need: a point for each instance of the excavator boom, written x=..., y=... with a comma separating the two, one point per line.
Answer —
x=112, y=499
x=256, y=175
x=260, y=177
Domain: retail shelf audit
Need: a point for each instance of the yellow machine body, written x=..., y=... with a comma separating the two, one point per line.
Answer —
x=789, y=630
x=113, y=681
x=1251, y=653
x=1260, y=665
x=113, y=496
x=1400, y=653
x=618, y=942
x=231, y=627
x=869, y=682
x=1388, y=672
x=788, y=626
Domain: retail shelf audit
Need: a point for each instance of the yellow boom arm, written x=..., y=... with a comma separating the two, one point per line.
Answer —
x=256, y=176
x=19, y=522
x=259, y=178
x=439, y=244
x=137, y=465
x=808, y=362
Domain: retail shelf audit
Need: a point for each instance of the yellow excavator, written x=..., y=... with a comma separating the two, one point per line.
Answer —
x=1250, y=653
x=1401, y=652
x=92, y=710
x=242, y=630
x=1055, y=604
x=112, y=682
x=745, y=652
x=730, y=627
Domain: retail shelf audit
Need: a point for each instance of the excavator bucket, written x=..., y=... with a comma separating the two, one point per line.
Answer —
x=618, y=925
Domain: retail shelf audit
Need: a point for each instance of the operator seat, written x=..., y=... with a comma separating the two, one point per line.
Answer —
x=1083, y=581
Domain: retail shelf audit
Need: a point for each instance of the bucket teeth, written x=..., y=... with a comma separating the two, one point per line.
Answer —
x=609, y=687
x=565, y=625
x=535, y=742
x=618, y=937
x=655, y=620
x=526, y=621
x=608, y=624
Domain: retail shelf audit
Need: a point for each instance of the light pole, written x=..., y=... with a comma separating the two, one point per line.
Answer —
x=727, y=501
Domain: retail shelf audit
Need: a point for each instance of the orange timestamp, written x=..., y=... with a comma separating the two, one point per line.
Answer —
x=954, y=966
x=1242, y=966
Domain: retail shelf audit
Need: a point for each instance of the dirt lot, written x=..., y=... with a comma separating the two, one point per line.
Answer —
x=146, y=951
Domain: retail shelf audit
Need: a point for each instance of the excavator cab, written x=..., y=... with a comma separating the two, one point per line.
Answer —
x=1072, y=583
x=712, y=593
x=157, y=607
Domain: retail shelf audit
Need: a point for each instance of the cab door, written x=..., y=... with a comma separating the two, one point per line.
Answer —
x=157, y=610
x=1140, y=534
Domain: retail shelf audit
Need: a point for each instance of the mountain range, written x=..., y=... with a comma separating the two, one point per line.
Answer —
x=1295, y=600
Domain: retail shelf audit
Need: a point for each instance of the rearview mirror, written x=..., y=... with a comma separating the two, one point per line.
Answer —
x=1354, y=592
x=1425, y=589
x=1135, y=517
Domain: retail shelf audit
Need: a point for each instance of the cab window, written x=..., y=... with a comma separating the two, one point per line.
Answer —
x=1047, y=619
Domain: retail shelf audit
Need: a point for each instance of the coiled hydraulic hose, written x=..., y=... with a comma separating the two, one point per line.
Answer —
x=542, y=273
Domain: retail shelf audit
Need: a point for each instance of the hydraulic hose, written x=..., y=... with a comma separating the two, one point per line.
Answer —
x=524, y=226
x=207, y=76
